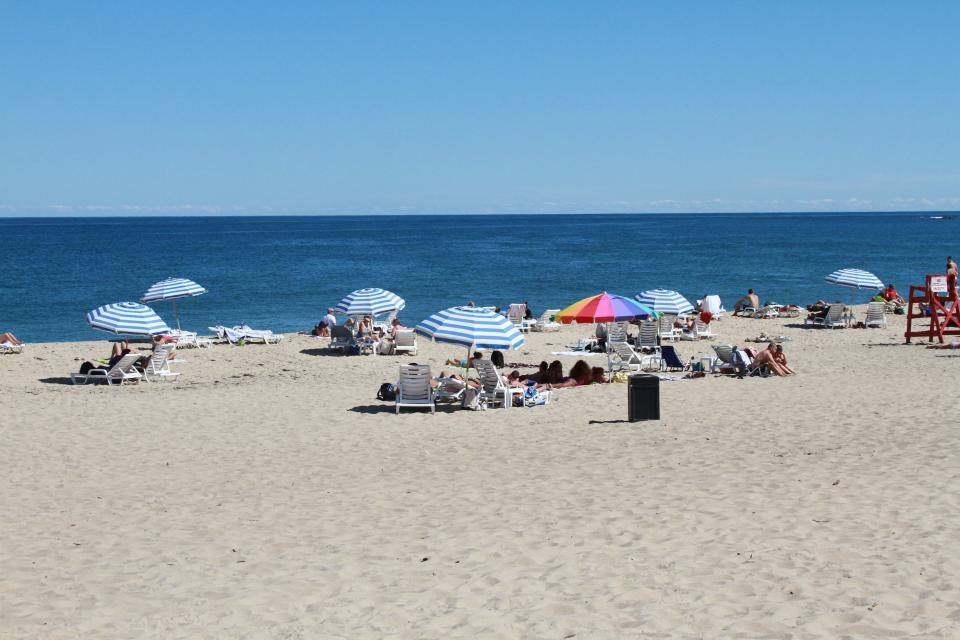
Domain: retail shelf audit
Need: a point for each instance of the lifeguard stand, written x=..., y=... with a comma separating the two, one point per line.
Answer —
x=937, y=302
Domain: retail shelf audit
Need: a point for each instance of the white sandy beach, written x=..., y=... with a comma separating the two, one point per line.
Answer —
x=270, y=495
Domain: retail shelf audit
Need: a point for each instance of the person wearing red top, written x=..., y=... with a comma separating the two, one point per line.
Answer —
x=890, y=295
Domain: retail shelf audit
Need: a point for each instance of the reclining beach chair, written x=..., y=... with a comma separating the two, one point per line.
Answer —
x=516, y=313
x=616, y=333
x=712, y=304
x=622, y=357
x=122, y=371
x=189, y=339
x=724, y=362
x=702, y=330
x=406, y=342
x=649, y=336
x=493, y=388
x=413, y=388
x=667, y=331
x=158, y=364
x=9, y=347
x=449, y=390
x=834, y=318
x=670, y=359
x=259, y=335
x=875, y=315
x=546, y=321
x=341, y=337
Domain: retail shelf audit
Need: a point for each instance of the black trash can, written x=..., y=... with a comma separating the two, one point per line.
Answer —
x=643, y=397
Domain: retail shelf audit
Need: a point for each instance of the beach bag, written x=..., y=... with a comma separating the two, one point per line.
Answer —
x=471, y=399
x=387, y=392
x=532, y=397
x=620, y=377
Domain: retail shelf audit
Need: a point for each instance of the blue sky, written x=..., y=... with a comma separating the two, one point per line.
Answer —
x=392, y=107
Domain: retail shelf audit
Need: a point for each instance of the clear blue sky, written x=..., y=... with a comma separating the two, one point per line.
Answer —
x=356, y=107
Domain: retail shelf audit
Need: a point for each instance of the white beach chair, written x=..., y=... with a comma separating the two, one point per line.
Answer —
x=616, y=333
x=516, y=313
x=259, y=335
x=546, y=321
x=875, y=315
x=189, y=340
x=449, y=390
x=122, y=371
x=622, y=357
x=341, y=337
x=413, y=388
x=667, y=331
x=724, y=360
x=9, y=347
x=703, y=330
x=158, y=365
x=832, y=320
x=494, y=389
x=649, y=334
x=406, y=342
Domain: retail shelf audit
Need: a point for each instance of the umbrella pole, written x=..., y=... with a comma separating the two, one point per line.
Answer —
x=176, y=313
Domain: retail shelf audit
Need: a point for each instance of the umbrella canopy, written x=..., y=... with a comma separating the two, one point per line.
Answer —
x=127, y=318
x=604, y=307
x=371, y=302
x=855, y=279
x=665, y=301
x=171, y=289
x=472, y=327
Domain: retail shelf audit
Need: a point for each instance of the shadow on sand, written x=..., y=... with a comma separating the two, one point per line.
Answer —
x=55, y=381
x=322, y=351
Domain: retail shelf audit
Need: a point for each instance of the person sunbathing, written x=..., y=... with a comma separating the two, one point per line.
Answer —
x=599, y=376
x=580, y=375
x=395, y=325
x=892, y=297
x=463, y=363
x=8, y=338
x=539, y=375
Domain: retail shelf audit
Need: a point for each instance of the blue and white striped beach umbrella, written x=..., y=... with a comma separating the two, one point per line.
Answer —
x=371, y=302
x=127, y=318
x=472, y=327
x=855, y=279
x=172, y=289
x=665, y=301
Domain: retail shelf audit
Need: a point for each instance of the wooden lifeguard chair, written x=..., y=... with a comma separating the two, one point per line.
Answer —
x=937, y=302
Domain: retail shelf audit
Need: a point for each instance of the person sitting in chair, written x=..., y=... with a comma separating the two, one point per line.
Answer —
x=751, y=301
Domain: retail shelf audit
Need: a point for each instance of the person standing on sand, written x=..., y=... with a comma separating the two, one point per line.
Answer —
x=951, y=276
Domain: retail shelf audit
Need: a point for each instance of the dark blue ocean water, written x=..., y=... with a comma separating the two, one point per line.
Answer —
x=282, y=272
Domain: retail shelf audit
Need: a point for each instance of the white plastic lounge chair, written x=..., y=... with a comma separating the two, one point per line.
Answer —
x=667, y=330
x=449, y=390
x=9, y=347
x=413, y=388
x=122, y=371
x=623, y=358
x=703, y=330
x=616, y=333
x=494, y=390
x=259, y=335
x=649, y=332
x=406, y=342
x=158, y=365
x=546, y=321
x=341, y=337
x=189, y=340
x=516, y=313
x=875, y=315
x=724, y=362
x=833, y=319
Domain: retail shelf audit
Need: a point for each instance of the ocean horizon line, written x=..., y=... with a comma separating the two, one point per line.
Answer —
x=179, y=215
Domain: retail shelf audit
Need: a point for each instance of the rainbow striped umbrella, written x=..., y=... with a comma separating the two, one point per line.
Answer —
x=605, y=307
